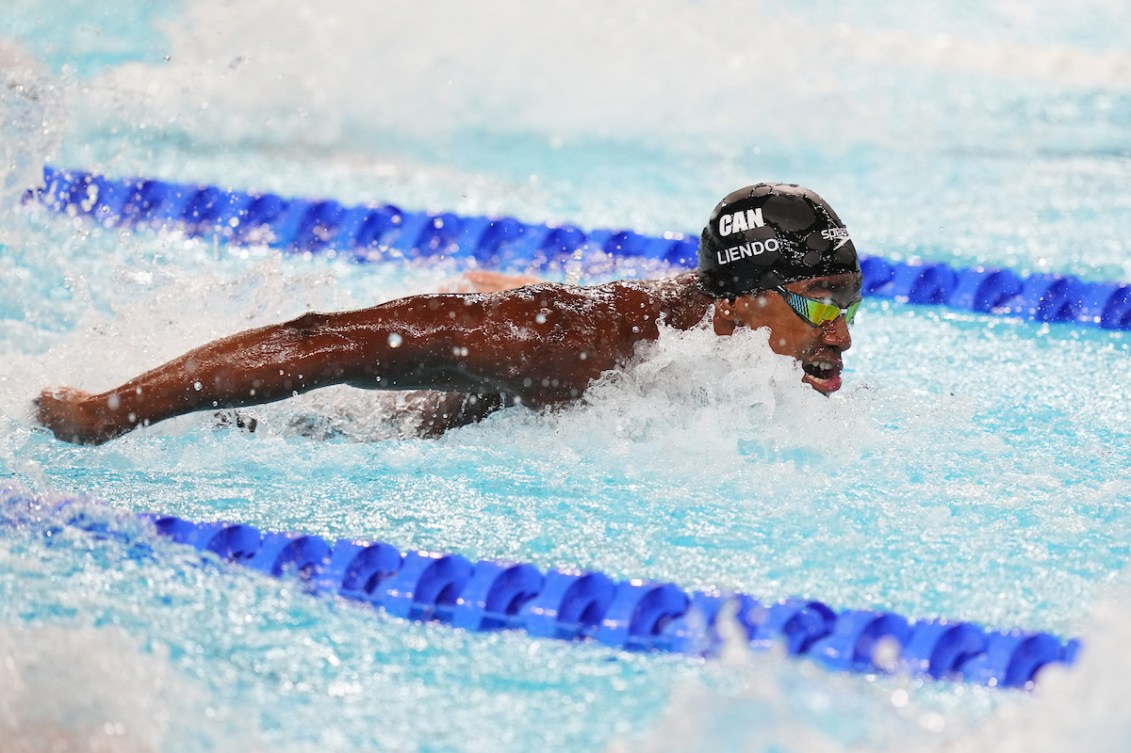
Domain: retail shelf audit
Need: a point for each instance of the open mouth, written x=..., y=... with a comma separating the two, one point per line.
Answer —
x=824, y=376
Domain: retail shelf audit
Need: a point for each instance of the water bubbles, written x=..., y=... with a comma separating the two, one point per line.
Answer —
x=886, y=654
x=395, y=340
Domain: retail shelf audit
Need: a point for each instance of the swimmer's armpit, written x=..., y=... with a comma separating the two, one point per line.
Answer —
x=441, y=411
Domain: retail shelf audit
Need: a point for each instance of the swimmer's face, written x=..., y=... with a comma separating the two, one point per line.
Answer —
x=817, y=348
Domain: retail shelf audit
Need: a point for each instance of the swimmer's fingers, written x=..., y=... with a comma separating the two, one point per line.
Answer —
x=51, y=404
x=52, y=397
x=60, y=409
x=56, y=395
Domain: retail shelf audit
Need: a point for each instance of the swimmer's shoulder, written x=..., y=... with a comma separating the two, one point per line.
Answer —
x=618, y=294
x=625, y=299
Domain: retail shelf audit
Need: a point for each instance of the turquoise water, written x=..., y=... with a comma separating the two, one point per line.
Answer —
x=972, y=467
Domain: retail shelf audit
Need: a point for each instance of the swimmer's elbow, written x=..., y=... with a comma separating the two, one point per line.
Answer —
x=310, y=323
x=373, y=349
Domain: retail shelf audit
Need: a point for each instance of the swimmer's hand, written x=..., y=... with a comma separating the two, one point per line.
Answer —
x=486, y=281
x=76, y=416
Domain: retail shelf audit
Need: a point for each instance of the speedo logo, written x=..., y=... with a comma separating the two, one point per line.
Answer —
x=739, y=221
x=836, y=234
x=753, y=248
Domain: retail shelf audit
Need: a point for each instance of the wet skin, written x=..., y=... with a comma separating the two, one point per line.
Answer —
x=536, y=345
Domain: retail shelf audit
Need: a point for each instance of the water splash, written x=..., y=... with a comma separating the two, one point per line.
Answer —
x=764, y=702
x=31, y=126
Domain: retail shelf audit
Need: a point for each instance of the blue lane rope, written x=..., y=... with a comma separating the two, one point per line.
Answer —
x=633, y=615
x=374, y=233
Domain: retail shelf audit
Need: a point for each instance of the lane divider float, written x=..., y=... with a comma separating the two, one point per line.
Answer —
x=375, y=233
x=631, y=615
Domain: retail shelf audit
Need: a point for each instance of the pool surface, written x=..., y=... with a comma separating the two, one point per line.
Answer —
x=973, y=467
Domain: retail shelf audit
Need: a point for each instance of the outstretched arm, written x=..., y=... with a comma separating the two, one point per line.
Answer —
x=408, y=344
x=537, y=345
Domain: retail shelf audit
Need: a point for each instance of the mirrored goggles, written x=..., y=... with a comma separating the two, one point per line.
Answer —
x=816, y=311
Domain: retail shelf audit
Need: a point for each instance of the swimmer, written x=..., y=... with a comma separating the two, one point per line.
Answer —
x=771, y=256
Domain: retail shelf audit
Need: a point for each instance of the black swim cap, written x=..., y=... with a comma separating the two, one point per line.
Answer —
x=769, y=234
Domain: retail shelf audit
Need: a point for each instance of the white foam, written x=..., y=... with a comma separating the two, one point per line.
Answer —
x=767, y=702
x=269, y=71
x=706, y=402
x=85, y=689
x=349, y=85
x=30, y=125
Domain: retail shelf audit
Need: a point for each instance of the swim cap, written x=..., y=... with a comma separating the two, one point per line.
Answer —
x=769, y=234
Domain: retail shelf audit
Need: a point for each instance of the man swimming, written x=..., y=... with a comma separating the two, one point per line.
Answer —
x=771, y=255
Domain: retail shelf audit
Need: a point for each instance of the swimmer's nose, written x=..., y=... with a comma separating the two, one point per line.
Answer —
x=836, y=333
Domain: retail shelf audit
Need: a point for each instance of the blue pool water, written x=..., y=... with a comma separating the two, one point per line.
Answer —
x=973, y=467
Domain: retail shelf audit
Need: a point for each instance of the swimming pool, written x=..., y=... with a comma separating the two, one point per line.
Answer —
x=973, y=467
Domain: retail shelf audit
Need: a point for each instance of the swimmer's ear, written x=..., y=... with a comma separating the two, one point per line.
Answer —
x=725, y=320
x=730, y=314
